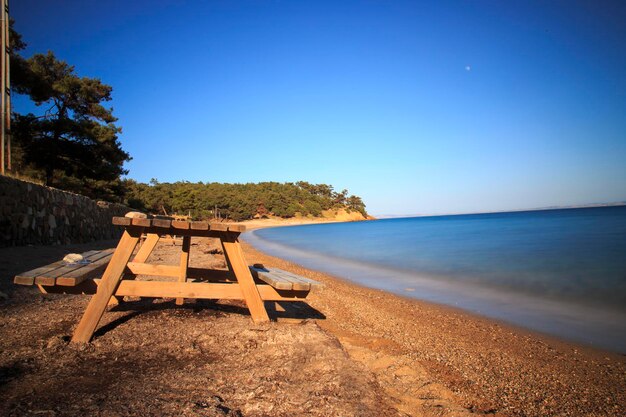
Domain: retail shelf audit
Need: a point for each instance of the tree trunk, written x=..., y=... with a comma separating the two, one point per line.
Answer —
x=49, y=176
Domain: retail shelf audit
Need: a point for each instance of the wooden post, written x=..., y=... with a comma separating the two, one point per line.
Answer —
x=4, y=66
x=7, y=80
x=108, y=285
x=237, y=262
x=184, y=264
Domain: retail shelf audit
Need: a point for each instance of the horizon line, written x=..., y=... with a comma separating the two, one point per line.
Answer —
x=546, y=208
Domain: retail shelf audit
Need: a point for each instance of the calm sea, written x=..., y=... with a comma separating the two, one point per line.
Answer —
x=562, y=272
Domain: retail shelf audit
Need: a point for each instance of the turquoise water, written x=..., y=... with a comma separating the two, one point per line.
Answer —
x=558, y=271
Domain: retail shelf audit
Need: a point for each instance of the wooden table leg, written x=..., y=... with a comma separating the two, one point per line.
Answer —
x=184, y=264
x=146, y=248
x=108, y=284
x=237, y=262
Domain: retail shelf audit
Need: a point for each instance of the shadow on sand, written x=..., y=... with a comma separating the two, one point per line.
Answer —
x=279, y=311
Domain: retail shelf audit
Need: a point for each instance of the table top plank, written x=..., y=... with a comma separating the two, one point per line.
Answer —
x=220, y=227
x=239, y=228
x=122, y=221
x=199, y=225
x=181, y=224
x=142, y=222
x=173, y=225
x=162, y=223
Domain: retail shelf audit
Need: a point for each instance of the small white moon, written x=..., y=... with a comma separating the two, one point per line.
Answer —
x=468, y=68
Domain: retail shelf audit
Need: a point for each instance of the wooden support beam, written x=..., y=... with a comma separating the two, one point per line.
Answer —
x=236, y=261
x=210, y=274
x=184, y=264
x=146, y=247
x=173, y=271
x=162, y=289
x=108, y=286
x=154, y=270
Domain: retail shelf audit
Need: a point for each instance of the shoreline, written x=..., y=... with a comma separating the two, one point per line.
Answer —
x=483, y=364
x=269, y=223
x=571, y=321
x=278, y=222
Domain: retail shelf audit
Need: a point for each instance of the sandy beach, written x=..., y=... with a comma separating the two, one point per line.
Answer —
x=331, y=217
x=348, y=351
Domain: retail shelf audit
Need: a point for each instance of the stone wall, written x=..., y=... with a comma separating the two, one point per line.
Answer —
x=35, y=214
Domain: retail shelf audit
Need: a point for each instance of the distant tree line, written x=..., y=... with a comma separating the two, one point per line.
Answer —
x=239, y=201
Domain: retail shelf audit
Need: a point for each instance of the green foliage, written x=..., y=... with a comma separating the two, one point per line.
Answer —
x=73, y=142
x=313, y=208
x=238, y=201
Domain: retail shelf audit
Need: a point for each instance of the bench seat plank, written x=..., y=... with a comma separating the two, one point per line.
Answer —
x=296, y=284
x=302, y=281
x=51, y=277
x=91, y=270
x=282, y=280
x=28, y=277
x=48, y=274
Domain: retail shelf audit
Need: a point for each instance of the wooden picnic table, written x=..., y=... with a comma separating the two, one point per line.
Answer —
x=254, y=285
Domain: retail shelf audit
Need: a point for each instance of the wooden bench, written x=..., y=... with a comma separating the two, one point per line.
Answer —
x=67, y=274
x=282, y=280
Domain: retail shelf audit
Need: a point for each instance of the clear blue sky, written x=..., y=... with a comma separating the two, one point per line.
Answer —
x=418, y=107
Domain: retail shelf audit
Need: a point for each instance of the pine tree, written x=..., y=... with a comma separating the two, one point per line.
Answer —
x=74, y=139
